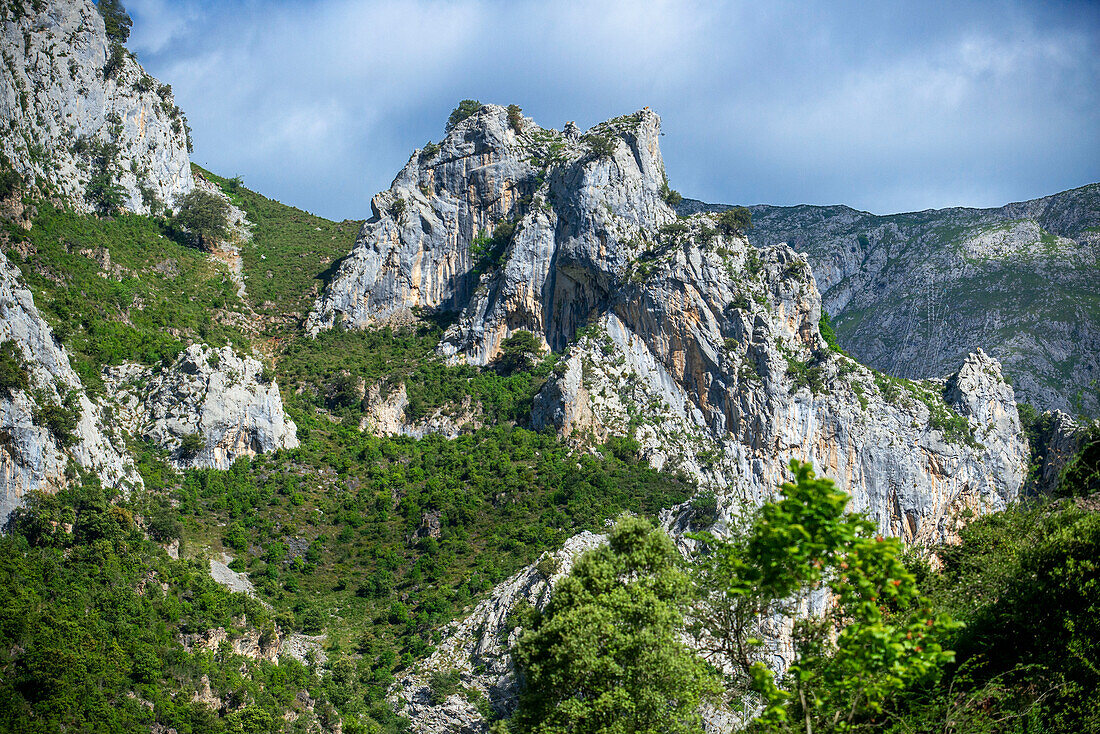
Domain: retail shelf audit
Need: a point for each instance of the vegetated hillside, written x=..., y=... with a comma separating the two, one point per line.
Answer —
x=910, y=294
x=674, y=342
x=371, y=542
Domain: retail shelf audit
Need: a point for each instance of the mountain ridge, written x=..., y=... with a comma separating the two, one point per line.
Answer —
x=913, y=292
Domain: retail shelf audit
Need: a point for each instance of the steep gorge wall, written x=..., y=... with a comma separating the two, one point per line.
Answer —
x=65, y=116
x=912, y=294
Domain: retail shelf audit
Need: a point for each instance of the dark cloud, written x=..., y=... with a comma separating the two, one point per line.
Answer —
x=884, y=106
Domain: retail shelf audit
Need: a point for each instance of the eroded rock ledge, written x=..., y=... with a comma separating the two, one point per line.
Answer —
x=208, y=408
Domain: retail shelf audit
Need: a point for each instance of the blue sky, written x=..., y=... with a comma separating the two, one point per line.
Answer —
x=883, y=106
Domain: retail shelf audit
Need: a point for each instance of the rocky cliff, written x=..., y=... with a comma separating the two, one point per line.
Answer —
x=701, y=348
x=514, y=225
x=913, y=294
x=209, y=408
x=82, y=116
x=48, y=426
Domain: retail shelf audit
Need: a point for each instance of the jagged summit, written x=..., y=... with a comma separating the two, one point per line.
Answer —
x=514, y=225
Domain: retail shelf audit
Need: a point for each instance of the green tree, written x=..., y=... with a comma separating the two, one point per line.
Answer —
x=116, y=21
x=466, y=108
x=606, y=655
x=518, y=353
x=205, y=215
x=515, y=117
x=879, y=637
x=734, y=221
x=191, y=444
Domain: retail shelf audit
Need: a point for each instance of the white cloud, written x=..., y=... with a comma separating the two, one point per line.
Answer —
x=898, y=107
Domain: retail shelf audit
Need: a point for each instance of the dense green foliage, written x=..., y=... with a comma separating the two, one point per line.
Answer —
x=878, y=637
x=607, y=656
x=1027, y=585
x=518, y=353
x=204, y=215
x=1081, y=476
x=89, y=637
x=112, y=289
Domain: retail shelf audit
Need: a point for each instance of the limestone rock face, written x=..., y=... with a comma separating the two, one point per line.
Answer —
x=575, y=218
x=222, y=397
x=913, y=294
x=31, y=455
x=714, y=361
x=60, y=106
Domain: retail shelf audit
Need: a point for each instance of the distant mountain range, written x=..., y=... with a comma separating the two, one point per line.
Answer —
x=912, y=294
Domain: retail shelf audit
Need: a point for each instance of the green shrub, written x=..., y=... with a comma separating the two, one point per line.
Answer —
x=443, y=684
x=10, y=180
x=601, y=145
x=397, y=208
x=116, y=21
x=204, y=215
x=60, y=419
x=115, y=58
x=825, y=326
x=191, y=444
x=734, y=221
x=13, y=369
x=670, y=196
x=515, y=118
x=466, y=108
x=518, y=353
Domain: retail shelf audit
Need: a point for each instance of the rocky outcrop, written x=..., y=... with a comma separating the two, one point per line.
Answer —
x=714, y=363
x=1056, y=440
x=48, y=426
x=478, y=649
x=702, y=346
x=518, y=229
x=913, y=294
x=70, y=116
x=384, y=415
x=208, y=408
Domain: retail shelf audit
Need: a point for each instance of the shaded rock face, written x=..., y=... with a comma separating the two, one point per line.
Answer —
x=59, y=105
x=31, y=456
x=1059, y=439
x=913, y=294
x=214, y=394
